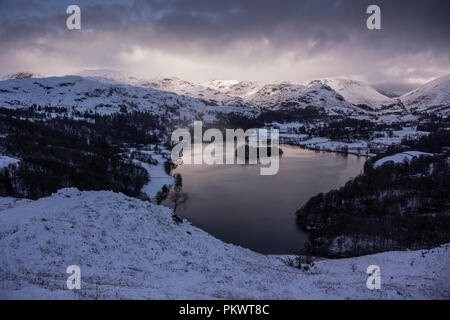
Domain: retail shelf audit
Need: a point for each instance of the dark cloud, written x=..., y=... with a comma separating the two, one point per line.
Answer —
x=259, y=39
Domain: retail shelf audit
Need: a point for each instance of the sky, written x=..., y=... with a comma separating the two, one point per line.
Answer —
x=201, y=40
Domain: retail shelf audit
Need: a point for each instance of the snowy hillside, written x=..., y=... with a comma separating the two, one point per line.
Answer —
x=237, y=88
x=401, y=157
x=354, y=92
x=254, y=94
x=434, y=95
x=106, y=91
x=207, y=95
x=85, y=94
x=339, y=94
x=157, y=173
x=104, y=96
x=431, y=97
x=127, y=248
x=359, y=93
x=285, y=95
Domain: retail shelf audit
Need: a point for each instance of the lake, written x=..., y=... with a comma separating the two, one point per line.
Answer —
x=237, y=205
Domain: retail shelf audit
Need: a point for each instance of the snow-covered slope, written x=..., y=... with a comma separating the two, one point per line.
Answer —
x=105, y=96
x=288, y=95
x=127, y=248
x=359, y=93
x=240, y=93
x=157, y=173
x=205, y=94
x=237, y=88
x=282, y=95
x=107, y=75
x=401, y=157
x=434, y=96
x=106, y=91
x=86, y=94
x=268, y=95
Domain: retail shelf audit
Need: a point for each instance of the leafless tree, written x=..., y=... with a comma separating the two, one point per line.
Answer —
x=178, y=197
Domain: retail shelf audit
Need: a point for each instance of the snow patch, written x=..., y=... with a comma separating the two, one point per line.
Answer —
x=401, y=157
x=7, y=162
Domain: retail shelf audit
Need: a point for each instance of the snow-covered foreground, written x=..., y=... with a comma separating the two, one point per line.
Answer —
x=127, y=248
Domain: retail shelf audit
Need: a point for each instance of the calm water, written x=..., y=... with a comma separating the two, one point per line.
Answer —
x=238, y=205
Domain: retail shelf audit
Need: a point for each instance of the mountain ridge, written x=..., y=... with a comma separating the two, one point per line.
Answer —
x=334, y=95
x=355, y=92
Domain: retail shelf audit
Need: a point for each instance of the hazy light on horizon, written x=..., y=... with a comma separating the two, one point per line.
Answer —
x=246, y=40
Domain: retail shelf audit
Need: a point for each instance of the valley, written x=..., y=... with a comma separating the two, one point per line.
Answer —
x=95, y=147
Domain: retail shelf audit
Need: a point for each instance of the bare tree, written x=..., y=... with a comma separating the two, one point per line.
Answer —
x=178, y=197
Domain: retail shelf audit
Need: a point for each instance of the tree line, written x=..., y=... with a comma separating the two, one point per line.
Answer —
x=63, y=152
x=391, y=207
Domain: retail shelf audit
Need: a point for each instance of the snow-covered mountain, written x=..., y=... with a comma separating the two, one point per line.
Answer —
x=131, y=249
x=86, y=94
x=103, y=95
x=434, y=96
x=247, y=93
x=106, y=91
x=237, y=88
x=288, y=95
x=207, y=95
x=359, y=93
x=282, y=95
x=268, y=95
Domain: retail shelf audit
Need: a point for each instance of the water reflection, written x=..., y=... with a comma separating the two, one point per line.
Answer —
x=238, y=205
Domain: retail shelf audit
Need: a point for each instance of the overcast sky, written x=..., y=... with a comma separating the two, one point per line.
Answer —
x=229, y=39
